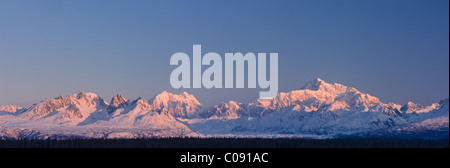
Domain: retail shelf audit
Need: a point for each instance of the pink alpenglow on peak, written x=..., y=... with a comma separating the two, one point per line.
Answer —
x=318, y=93
x=318, y=108
x=117, y=101
x=182, y=105
x=318, y=84
x=70, y=109
x=10, y=108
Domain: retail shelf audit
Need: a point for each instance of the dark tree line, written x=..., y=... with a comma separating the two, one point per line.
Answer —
x=225, y=143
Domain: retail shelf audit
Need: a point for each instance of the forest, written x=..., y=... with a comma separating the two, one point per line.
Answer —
x=183, y=142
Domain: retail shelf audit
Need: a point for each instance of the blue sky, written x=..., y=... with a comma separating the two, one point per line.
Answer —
x=395, y=50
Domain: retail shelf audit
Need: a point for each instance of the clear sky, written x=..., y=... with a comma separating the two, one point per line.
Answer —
x=396, y=50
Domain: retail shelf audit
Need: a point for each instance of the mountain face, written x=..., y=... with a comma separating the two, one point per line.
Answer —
x=228, y=110
x=184, y=105
x=317, y=109
x=117, y=101
x=9, y=109
x=318, y=95
x=71, y=109
x=411, y=107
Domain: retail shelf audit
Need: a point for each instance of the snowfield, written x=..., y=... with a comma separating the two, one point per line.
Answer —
x=317, y=110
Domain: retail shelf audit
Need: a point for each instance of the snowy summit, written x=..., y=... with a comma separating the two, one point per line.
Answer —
x=318, y=109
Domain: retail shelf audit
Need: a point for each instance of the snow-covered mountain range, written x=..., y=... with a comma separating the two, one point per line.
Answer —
x=318, y=109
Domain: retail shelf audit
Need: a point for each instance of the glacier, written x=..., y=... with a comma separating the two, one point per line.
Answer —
x=317, y=110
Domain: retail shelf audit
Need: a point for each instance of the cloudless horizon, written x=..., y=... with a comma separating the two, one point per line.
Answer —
x=397, y=51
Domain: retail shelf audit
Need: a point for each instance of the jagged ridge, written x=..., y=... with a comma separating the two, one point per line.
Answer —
x=316, y=108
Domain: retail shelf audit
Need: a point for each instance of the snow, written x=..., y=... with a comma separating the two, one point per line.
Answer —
x=184, y=105
x=317, y=110
x=10, y=108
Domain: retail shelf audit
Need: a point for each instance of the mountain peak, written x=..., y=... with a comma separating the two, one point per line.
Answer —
x=318, y=84
x=178, y=105
x=72, y=108
x=410, y=107
x=10, y=108
x=166, y=97
x=314, y=84
x=317, y=93
x=229, y=104
x=411, y=104
x=318, y=80
x=81, y=94
x=141, y=103
x=117, y=101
